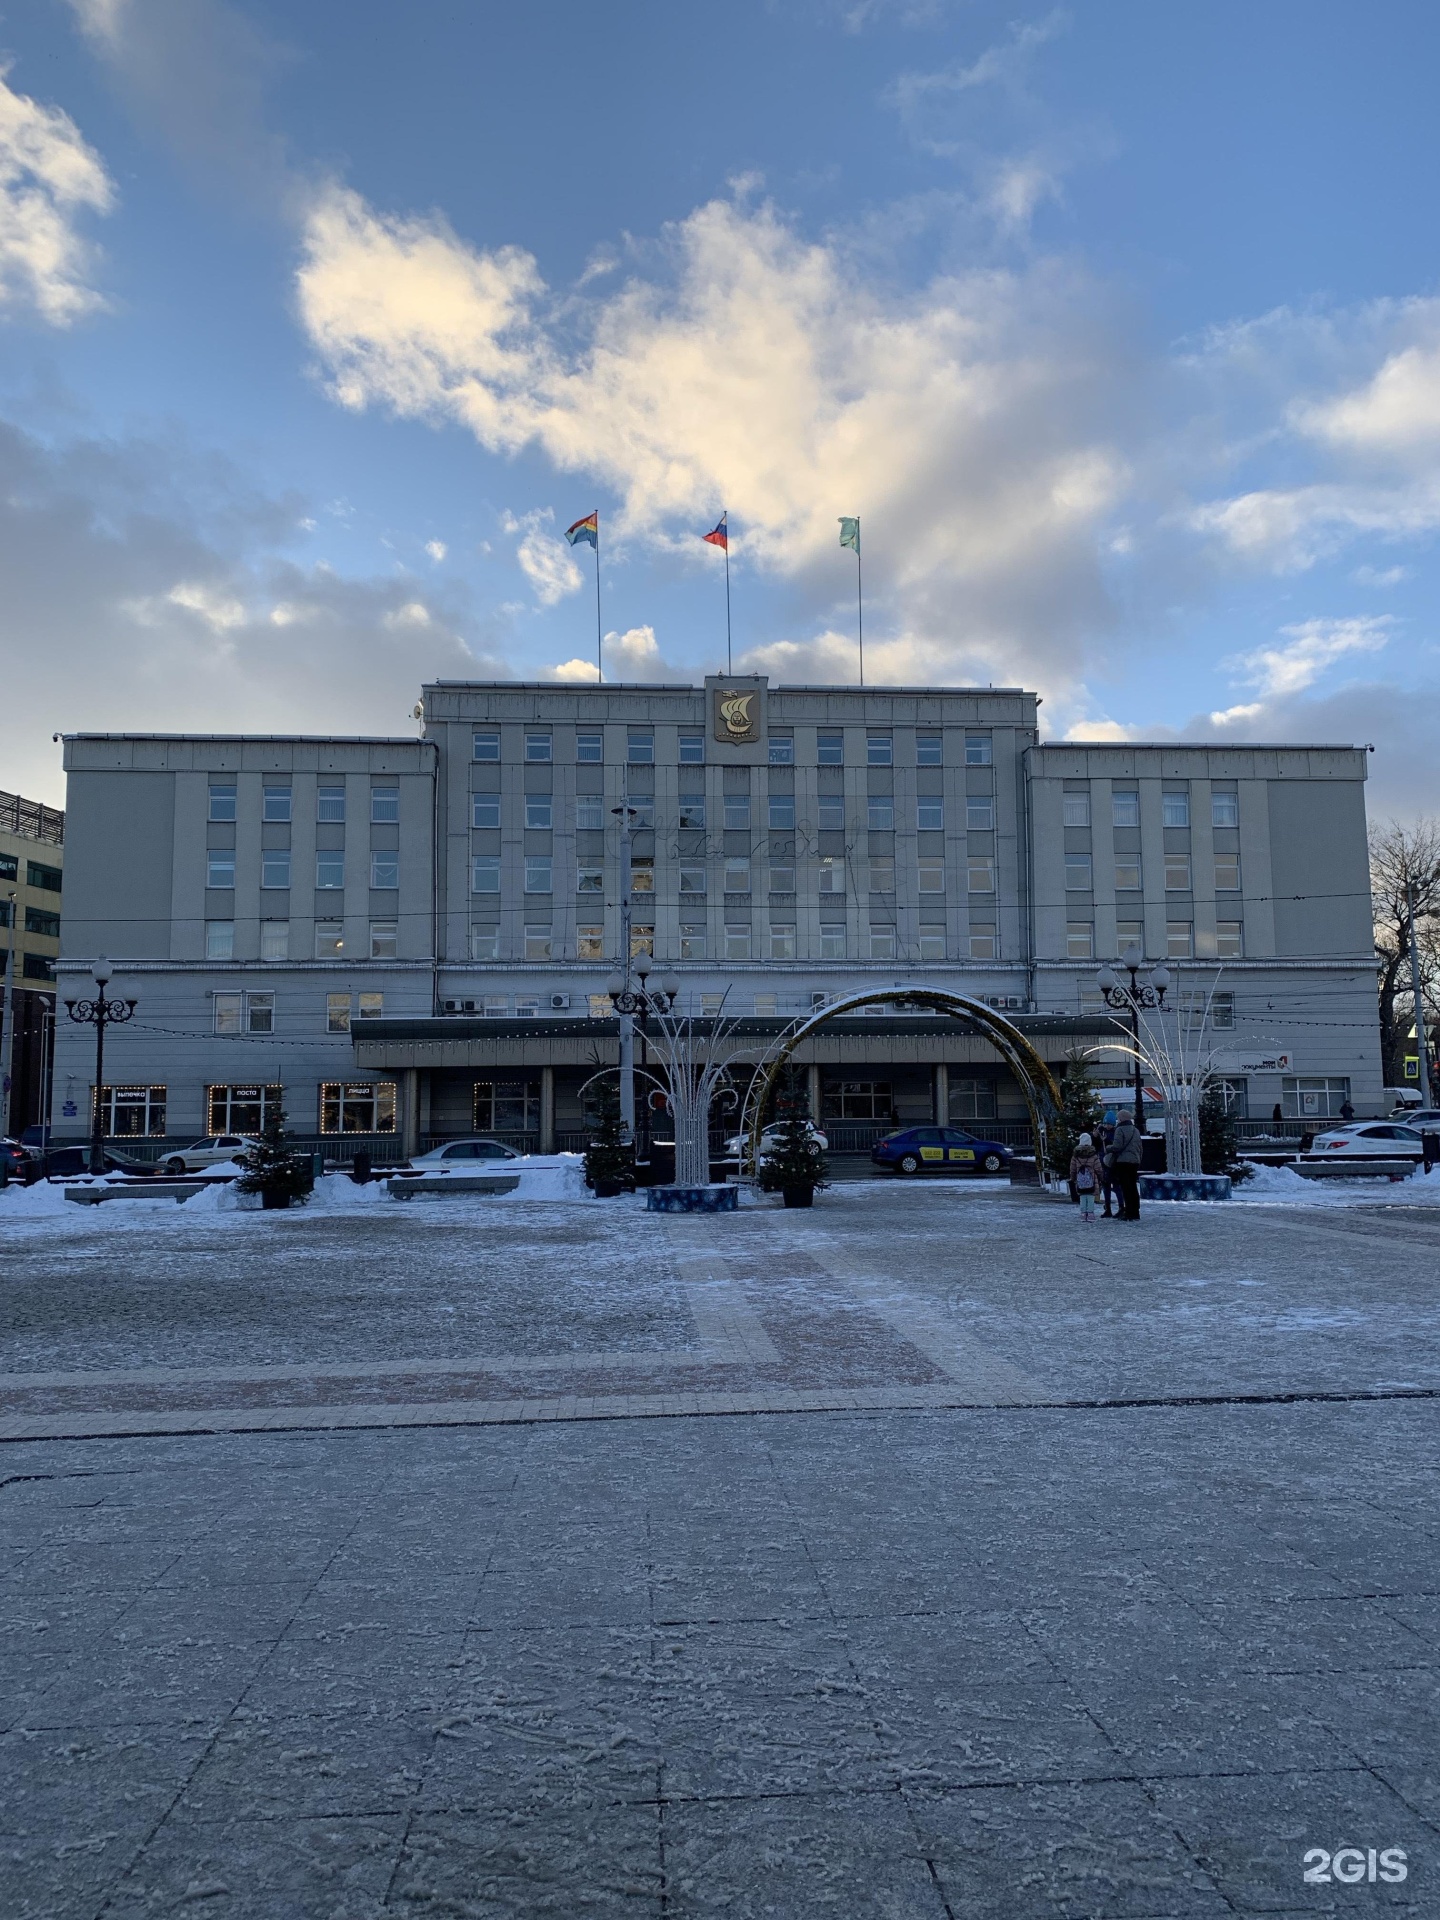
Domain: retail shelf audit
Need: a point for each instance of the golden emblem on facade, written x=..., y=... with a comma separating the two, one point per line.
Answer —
x=735, y=712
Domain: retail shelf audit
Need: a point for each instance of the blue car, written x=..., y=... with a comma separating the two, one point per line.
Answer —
x=940, y=1150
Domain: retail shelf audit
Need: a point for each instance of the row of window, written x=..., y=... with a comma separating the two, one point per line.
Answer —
x=34, y=966
x=1179, y=939
x=276, y=868
x=738, y=941
x=37, y=874
x=255, y=1012
x=277, y=801
x=363, y=1106
x=1129, y=876
x=780, y=747
x=37, y=920
x=383, y=940
x=589, y=812
x=1174, y=807
x=738, y=876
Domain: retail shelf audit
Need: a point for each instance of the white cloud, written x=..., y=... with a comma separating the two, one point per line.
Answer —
x=1396, y=412
x=633, y=655
x=545, y=561
x=437, y=550
x=49, y=177
x=1312, y=646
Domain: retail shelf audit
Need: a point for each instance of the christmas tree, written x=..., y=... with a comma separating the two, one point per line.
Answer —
x=609, y=1158
x=1217, y=1132
x=1080, y=1112
x=794, y=1163
x=272, y=1167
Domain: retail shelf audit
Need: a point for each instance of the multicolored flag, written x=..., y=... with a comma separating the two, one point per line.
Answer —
x=850, y=531
x=586, y=529
x=720, y=536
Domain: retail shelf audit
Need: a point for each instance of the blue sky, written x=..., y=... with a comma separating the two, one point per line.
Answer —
x=1117, y=324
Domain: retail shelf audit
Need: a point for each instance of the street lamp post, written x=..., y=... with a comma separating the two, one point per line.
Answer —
x=99, y=1013
x=1149, y=992
x=632, y=1003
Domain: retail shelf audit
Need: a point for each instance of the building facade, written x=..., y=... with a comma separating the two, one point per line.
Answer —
x=412, y=938
x=32, y=860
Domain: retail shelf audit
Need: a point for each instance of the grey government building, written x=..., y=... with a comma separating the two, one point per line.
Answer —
x=405, y=939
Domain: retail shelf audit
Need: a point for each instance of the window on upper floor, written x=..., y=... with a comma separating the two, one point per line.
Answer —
x=737, y=940
x=274, y=939
x=1079, y=940
x=590, y=942
x=1078, y=875
x=782, y=812
x=931, y=876
x=984, y=940
x=275, y=802
x=692, y=940
x=1177, y=873
x=384, y=804
x=384, y=870
x=880, y=812
x=1229, y=940
x=737, y=874
x=484, y=811
x=879, y=750
x=977, y=749
x=1179, y=940
x=222, y=799
x=1224, y=808
x=337, y=1013
x=229, y=1012
x=929, y=815
x=781, y=749
x=259, y=1013
x=538, y=746
x=882, y=941
x=882, y=873
x=589, y=814
x=329, y=870
x=384, y=939
x=830, y=812
x=1075, y=809
x=1128, y=875
x=47, y=925
x=932, y=943
x=538, y=941
x=692, y=880
x=539, y=811
x=640, y=749
x=485, y=745
x=692, y=749
x=219, y=939
x=538, y=875
x=642, y=876
x=782, y=877
x=330, y=803
x=737, y=811
x=832, y=940
x=980, y=812
x=782, y=940
x=1227, y=873
x=929, y=749
x=589, y=747
x=329, y=939
x=692, y=810
x=590, y=878
x=220, y=867
x=485, y=875
x=1125, y=806
x=275, y=868
x=832, y=875
x=1175, y=806
x=980, y=874
x=830, y=749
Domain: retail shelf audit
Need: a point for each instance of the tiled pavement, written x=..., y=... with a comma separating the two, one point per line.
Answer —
x=1017, y=1658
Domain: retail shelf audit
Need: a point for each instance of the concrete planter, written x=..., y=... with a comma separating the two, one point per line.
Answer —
x=722, y=1199
x=1184, y=1186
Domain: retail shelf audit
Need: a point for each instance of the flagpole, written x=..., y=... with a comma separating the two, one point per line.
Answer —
x=729, y=667
x=860, y=607
x=599, y=628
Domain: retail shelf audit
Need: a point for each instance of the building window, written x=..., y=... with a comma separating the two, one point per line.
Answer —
x=601, y=1006
x=496, y=1006
x=371, y=1005
x=485, y=746
x=330, y=804
x=766, y=1006
x=1079, y=940
x=220, y=867
x=485, y=874
x=590, y=879
x=274, y=939
x=538, y=812
x=384, y=804
x=641, y=808
x=130, y=1113
x=329, y=939
x=1229, y=940
x=692, y=749
x=737, y=811
x=384, y=871
x=1308, y=1097
x=642, y=939
x=929, y=749
x=782, y=941
x=275, y=803
x=640, y=749
x=384, y=939
x=1125, y=807
x=1078, y=877
x=1194, y=1007
x=830, y=812
x=932, y=943
x=782, y=812
x=275, y=869
x=737, y=942
x=692, y=880
x=590, y=747
x=930, y=816
x=337, y=1013
x=357, y=1106
x=9, y=870
x=737, y=874
x=880, y=813
x=1227, y=873
x=832, y=942
x=329, y=870
x=972, y=1099
x=1224, y=808
x=1222, y=1011
x=259, y=1013
x=537, y=746
x=881, y=873
x=692, y=810
x=506, y=1106
x=1177, y=873
x=983, y=942
x=1075, y=809
x=222, y=799
x=859, y=1100
x=692, y=940
x=48, y=879
x=538, y=875
x=527, y=1006
x=1127, y=876
x=537, y=943
x=882, y=942
x=642, y=876
x=590, y=943
x=220, y=939
x=1175, y=806
x=484, y=943
x=977, y=750
x=932, y=876
x=229, y=1011
x=879, y=750
x=830, y=749
x=980, y=812
x=589, y=815
x=782, y=877
x=979, y=874
x=1179, y=940
x=781, y=749
x=242, y=1110
x=832, y=875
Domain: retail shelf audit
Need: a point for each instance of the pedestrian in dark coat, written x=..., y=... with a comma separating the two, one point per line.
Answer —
x=1126, y=1150
x=1107, y=1183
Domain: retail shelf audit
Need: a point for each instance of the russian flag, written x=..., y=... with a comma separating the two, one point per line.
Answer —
x=720, y=537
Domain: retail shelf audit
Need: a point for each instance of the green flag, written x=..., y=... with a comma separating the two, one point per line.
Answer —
x=850, y=531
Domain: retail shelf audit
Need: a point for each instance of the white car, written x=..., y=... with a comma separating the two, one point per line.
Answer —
x=739, y=1145
x=1423, y=1119
x=1382, y=1139
x=479, y=1156
x=206, y=1153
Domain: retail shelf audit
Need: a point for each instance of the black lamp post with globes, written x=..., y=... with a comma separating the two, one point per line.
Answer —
x=1147, y=991
x=632, y=1003
x=99, y=1013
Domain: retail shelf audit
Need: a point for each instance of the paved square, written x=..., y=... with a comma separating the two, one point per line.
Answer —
x=928, y=1555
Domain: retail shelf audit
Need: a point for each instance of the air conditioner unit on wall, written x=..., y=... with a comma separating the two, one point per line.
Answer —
x=559, y=1002
x=450, y=1006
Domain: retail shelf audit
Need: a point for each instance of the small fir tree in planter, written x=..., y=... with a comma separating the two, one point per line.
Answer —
x=1080, y=1112
x=1218, y=1144
x=609, y=1158
x=272, y=1167
x=795, y=1165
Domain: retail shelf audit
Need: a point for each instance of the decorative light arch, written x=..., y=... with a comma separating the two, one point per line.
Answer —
x=1042, y=1095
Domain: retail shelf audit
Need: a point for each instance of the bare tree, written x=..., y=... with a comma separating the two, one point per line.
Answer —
x=1405, y=859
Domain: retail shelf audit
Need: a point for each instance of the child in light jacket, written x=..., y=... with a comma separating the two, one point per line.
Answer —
x=1085, y=1172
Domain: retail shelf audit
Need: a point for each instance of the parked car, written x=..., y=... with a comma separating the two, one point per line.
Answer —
x=210, y=1152
x=940, y=1150
x=738, y=1146
x=1423, y=1119
x=14, y=1159
x=461, y=1156
x=1382, y=1139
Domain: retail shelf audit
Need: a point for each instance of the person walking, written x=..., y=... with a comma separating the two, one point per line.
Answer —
x=1085, y=1175
x=1107, y=1183
x=1125, y=1152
